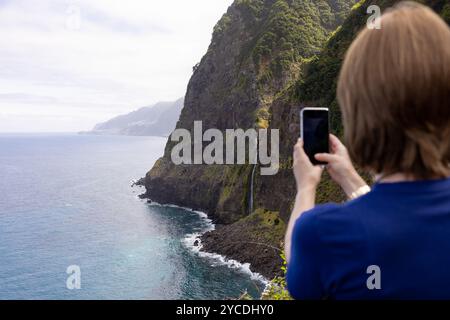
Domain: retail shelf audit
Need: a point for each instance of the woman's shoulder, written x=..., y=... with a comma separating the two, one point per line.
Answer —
x=322, y=211
x=348, y=210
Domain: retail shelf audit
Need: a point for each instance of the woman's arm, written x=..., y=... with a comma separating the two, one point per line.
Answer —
x=304, y=200
x=307, y=177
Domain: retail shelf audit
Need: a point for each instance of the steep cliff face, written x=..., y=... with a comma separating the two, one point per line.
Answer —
x=264, y=63
x=259, y=48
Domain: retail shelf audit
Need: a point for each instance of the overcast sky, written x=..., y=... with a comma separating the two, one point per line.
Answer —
x=67, y=65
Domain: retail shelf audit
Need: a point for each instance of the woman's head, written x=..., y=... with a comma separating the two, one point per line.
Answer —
x=394, y=93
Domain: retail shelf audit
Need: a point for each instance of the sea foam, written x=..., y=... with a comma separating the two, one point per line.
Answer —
x=193, y=242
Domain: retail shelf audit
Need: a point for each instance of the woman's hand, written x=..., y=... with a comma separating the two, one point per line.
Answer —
x=306, y=174
x=340, y=167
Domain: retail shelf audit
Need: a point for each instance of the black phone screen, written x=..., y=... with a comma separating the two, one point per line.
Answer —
x=315, y=133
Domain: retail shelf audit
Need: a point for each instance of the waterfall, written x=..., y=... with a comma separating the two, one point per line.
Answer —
x=250, y=200
x=252, y=180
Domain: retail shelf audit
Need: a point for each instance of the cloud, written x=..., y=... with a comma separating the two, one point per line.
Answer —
x=76, y=63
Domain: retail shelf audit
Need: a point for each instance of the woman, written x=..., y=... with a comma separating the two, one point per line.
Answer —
x=394, y=241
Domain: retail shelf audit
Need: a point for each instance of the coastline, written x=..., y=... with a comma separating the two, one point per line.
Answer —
x=193, y=242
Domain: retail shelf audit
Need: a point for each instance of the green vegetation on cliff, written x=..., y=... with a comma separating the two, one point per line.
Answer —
x=258, y=51
x=281, y=36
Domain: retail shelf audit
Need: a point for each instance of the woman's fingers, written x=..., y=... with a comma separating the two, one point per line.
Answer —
x=306, y=175
x=335, y=143
x=326, y=157
x=299, y=152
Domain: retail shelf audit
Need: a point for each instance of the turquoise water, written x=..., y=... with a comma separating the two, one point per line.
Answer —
x=66, y=200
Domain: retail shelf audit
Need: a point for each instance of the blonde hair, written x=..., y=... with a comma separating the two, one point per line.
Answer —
x=394, y=93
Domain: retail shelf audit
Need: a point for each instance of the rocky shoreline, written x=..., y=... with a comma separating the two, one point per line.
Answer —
x=232, y=243
x=252, y=240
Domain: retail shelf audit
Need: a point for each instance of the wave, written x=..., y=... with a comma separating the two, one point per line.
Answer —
x=209, y=225
x=193, y=242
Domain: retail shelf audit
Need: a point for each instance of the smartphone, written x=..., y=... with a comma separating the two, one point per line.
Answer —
x=314, y=131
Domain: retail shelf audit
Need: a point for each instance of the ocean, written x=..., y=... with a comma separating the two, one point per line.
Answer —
x=66, y=200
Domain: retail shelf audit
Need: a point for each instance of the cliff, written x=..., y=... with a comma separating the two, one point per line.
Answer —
x=266, y=60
